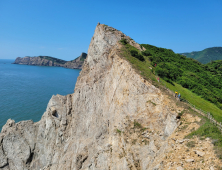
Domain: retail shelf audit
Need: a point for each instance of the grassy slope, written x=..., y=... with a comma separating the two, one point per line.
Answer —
x=206, y=129
x=197, y=100
x=144, y=69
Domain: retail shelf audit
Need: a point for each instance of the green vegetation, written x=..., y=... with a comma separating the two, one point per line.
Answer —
x=152, y=102
x=82, y=58
x=196, y=100
x=134, y=141
x=137, y=125
x=216, y=66
x=135, y=54
x=191, y=144
x=209, y=130
x=204, y=80
x=142, y=67
x=55, y=60
x=118, y=131
x=179, y=71
x=123, y=41
x=198, y=83
x=207, y=55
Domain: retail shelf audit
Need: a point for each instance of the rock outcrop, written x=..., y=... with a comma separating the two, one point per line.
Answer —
x=77, y=63
x=51, y=61
x=114, y=120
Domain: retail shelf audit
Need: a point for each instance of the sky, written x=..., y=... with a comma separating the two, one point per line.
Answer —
x=64, y=28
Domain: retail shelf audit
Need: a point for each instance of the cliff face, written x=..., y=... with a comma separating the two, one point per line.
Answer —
x=77, y=63
x=114, y=120
x=50, y=61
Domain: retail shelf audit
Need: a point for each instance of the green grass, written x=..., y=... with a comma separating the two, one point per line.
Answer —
x=191, y=144
x=207, y=129
x=143, y=67
x=196, y=100
x=118, y=131
x=152, y=102
x=137, y=125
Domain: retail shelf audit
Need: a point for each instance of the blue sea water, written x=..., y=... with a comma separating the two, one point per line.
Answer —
x=26, y=90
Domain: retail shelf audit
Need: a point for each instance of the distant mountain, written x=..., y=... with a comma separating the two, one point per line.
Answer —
x=51, y=61
x=207, y=55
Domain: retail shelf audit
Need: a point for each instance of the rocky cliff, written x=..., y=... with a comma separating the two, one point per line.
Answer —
x=51, y=61
x=114, y=120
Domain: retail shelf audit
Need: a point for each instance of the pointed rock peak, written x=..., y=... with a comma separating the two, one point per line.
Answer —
x=103, y=40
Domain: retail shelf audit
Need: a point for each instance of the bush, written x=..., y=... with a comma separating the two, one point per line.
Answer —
x=140, y=57
x=137, y=125
x=123, y=41
x=135, y=54
x=146, y=53
x=118, y=131
x=191, y=144
x=151, y=58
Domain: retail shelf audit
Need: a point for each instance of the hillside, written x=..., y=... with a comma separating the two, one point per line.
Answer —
x=201, y=79
x=119, y=117
x=207, y=55
x=51, y=61
x=216, y=65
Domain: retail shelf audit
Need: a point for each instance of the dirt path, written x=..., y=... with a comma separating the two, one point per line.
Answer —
x=190, y=153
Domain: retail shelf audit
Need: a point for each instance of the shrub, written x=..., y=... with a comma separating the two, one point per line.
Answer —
x=151, y=58
x=137, y=125
x=118, y=131
x=123, y=41
x=190, y=144
x=146, y=53
x=140, y=57
x=135, y=54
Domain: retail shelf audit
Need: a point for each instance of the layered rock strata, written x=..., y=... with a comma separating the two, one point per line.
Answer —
x=114, y=120
x=50, y=61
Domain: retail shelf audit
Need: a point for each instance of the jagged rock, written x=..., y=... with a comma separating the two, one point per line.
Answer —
x=79, y=131
x=180, y=141
x=3, y=159
x=180, y=168
x=207, y=139
x=8, y=124
x=189, y=160
x=211, y=168
x=199, y=153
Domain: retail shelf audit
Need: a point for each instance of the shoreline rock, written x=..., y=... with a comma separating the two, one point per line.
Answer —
x=51, y=61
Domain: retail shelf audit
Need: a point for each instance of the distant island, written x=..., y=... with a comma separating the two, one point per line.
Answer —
x=51, y=61
x=207, y=55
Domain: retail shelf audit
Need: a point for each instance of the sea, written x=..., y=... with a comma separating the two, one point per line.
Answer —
x=26, y=90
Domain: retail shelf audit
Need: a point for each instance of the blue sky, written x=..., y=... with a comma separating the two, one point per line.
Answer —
x=64, y=28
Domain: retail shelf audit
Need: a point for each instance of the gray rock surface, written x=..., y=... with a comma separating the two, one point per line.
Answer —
x=50, y=61
x=94, y=128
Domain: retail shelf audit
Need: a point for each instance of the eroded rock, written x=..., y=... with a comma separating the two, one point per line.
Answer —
x=100, y=125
